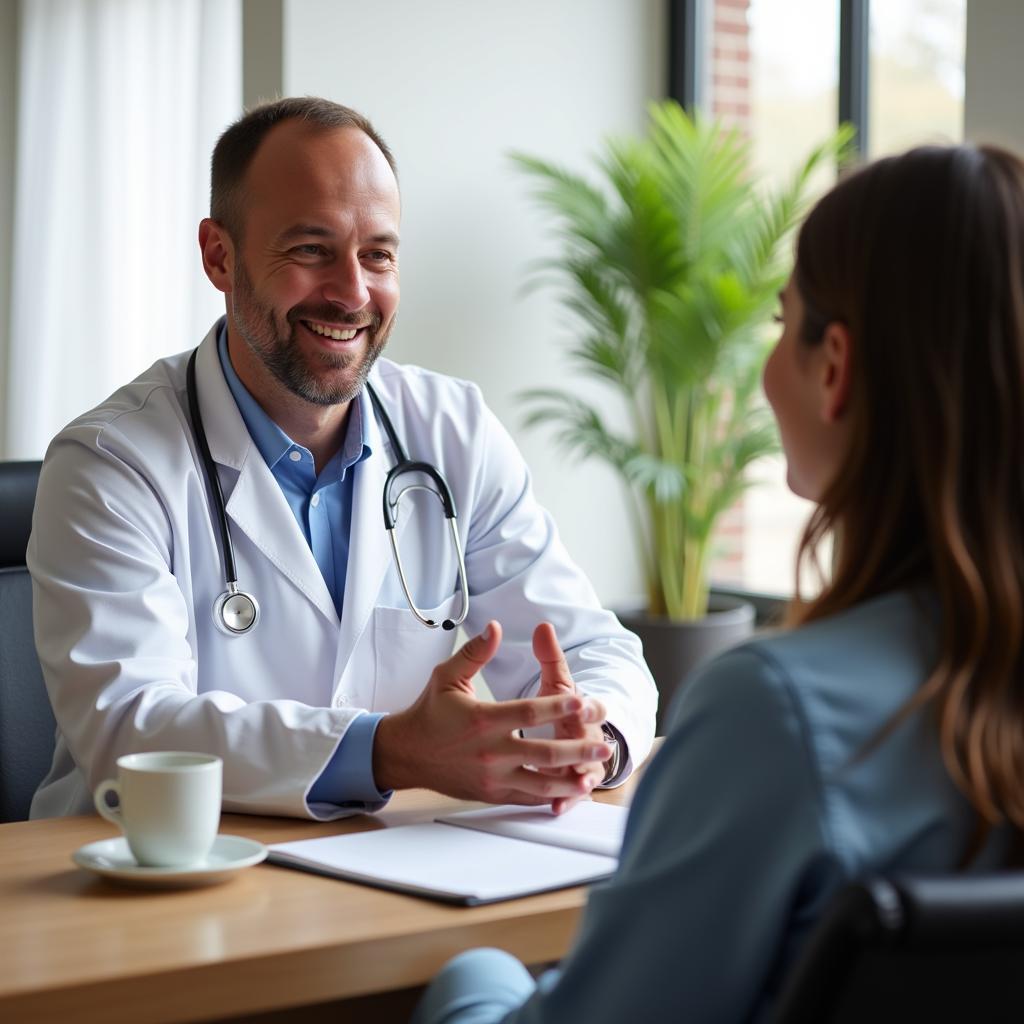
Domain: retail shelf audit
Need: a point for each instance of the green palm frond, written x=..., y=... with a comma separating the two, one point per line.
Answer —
x=757, y=250
x=582, y=208
x=669, y=267
x=577, y=428
x=598, y=297
x=604, y=358
x=664, y=482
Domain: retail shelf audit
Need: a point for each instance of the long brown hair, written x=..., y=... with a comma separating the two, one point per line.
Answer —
x=921, y=256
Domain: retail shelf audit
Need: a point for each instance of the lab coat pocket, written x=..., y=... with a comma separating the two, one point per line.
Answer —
x=407, y=652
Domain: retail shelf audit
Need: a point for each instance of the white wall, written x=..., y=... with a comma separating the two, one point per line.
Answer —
x=453, y=85
x=994, y=81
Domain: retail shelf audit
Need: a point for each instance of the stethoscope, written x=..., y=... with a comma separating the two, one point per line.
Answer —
x=236, y=612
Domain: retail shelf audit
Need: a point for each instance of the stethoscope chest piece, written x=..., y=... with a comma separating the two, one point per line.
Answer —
x=236, y=612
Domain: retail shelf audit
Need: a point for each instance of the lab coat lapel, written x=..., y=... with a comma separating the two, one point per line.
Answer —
x=369, y=552
x=256, y=504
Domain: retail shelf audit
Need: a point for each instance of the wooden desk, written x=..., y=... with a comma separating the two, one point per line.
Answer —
x=77, y=948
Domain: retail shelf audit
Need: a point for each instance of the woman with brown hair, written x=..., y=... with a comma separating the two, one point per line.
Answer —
x=884, y=730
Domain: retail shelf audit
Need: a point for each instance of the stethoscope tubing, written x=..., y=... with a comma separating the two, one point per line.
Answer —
x=406, y=466
x=210, y=470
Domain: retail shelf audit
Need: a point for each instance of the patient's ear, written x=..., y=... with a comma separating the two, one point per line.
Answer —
x=218, y=254
x=836, y=371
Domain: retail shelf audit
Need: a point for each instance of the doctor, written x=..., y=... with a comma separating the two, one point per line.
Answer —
x=337, y=694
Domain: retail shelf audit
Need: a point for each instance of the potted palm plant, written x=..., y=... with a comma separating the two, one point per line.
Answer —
x=670, y=266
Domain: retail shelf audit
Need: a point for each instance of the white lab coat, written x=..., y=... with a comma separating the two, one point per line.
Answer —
x=126, y=567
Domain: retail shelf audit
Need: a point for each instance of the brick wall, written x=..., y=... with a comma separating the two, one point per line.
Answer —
x=730, y=62
x=729, y=79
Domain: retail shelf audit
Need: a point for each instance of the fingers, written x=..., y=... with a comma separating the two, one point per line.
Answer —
x=544, y=754
x=561, y=804
x=555, y=676
x=546, y=788
x=532, y=711
x=458, y=671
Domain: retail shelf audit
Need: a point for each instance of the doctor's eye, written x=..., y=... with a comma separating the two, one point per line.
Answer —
x=379, y=256
x=310, y=249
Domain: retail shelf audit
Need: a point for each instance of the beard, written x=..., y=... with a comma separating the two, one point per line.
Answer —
x=327, y=378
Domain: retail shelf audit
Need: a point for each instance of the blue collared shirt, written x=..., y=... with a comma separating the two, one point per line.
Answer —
x=322, y=506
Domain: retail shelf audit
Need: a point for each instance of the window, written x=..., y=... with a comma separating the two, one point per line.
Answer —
x=916, y=85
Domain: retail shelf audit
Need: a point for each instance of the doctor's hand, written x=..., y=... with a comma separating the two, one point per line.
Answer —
x=451, y=742
x=556, y=680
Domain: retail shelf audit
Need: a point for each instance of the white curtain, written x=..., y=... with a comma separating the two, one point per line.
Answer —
x=119, y=105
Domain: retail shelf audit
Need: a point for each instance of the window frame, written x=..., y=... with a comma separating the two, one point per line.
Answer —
x=686, y=61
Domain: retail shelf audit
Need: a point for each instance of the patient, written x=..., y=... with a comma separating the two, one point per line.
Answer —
x=883, y=731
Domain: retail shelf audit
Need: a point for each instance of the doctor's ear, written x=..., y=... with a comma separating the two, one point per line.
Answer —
x=218, y=254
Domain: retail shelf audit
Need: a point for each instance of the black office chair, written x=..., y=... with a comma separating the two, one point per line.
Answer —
x=27, y=725
x=914, y=949
x=18, y=482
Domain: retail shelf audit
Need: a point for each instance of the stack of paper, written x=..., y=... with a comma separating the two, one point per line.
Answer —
x=495, y=853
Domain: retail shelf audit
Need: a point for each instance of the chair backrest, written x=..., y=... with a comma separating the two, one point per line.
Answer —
x=18, y=481
x=915, y=948
x=27, y=726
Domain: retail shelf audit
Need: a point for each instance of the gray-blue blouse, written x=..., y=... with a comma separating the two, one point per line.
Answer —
x=764, y=798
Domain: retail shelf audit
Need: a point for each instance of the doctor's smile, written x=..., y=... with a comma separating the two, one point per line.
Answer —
x=335, y=333
x=341, y=329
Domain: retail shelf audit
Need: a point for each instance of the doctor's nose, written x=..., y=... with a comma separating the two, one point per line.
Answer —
x=346, y=285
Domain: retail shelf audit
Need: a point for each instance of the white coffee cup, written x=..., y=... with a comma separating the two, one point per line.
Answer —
x=168, y=805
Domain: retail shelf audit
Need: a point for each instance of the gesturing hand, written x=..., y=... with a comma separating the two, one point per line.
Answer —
x=453, y=743
x=556, y=680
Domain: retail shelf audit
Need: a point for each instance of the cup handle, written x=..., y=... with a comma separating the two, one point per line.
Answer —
x=112, y=814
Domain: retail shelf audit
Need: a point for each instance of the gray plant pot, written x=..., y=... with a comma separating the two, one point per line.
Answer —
x=673, y=649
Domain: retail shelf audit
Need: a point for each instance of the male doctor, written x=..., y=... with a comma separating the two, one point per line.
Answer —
x=337, y=695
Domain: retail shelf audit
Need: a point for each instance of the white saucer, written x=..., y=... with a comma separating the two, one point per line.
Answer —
x=112, y=859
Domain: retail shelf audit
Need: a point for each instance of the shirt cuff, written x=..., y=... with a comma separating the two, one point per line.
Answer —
x=347, y=778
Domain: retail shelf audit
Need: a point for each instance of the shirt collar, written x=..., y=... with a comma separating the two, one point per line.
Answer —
x=271, y=441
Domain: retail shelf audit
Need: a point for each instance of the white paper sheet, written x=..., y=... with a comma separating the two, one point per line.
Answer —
x=455, y=864
x=590, y=827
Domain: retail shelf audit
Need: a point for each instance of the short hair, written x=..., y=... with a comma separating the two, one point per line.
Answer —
x=237, y=147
